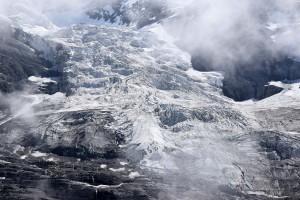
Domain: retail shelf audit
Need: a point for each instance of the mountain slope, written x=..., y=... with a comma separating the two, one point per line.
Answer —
x=133, y=120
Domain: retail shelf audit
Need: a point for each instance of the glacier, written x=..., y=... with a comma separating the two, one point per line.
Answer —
x=126, y=116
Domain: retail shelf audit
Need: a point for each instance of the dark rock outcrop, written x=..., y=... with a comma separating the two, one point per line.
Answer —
x=270, y=90
x=250, y=80
x=18, y=61
x=78, y=157
x=49, y=88
x=37, y=178
x=141, y=13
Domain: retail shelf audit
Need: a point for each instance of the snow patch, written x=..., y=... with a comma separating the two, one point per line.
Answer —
x=261, y=193
x=117, y=170
x=51, y=159
x=97, y=186
x=124, y=163
x=103, y=166
x=129, y=3
x=40, y=80
x=38, y=154
x=134, y=175
x=4, y=162
x=161, y=33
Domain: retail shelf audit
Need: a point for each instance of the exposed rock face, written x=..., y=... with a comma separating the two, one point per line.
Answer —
x=49, y=88
x=17, y=62
x=82, y=162
x=249, y=81
x=270, y=90
x=282, y=151
x=20, y=58
x=67, y=179
x=54, y=55
x=140, y=13
x=248, y=54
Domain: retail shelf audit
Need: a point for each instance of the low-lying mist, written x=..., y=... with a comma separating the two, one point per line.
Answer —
x=18, y=105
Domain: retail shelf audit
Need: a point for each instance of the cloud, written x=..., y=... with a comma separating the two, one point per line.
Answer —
x=227, y=32
x=20, y=105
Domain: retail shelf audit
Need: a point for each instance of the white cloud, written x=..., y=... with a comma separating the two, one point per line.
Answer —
x=226, y=32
